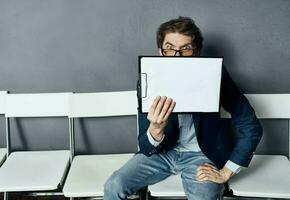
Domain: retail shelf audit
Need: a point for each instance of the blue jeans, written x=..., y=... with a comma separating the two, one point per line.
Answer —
x=141, y=171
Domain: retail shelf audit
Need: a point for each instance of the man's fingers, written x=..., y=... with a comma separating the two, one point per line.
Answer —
x=204, y=170
x=209, y=165
x=201, y=176
x=204, y=175
x=208, y=168
x=153, y=106
x=164, y=110
x=207, y=171
x=158, y=108
x=207, y=177
x=169, y=111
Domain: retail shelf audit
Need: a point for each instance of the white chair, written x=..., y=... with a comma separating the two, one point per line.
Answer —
x=267, y=176
x=34, y=170
x=2, y=155
x=170, y=188
x=88, y=173
x=2, y=112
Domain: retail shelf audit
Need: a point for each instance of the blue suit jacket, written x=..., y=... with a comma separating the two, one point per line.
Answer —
x=210, y=131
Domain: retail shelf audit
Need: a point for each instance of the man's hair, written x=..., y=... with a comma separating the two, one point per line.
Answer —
x=182, y=25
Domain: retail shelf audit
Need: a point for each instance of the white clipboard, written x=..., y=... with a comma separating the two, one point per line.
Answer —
x=193, y=82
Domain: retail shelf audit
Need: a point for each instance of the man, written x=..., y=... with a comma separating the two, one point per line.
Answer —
x=194, y=145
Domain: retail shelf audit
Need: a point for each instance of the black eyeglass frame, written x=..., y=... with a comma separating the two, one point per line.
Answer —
x=179, y=51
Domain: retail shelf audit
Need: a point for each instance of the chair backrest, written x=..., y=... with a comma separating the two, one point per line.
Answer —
x=37, y=105
x=2, y=102
x=268, y=106
x=103, y=104
x=2, y=109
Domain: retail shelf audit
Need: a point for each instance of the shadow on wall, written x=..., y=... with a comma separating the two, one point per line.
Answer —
x=217, y=45
x=85, y=135
x=20, y=132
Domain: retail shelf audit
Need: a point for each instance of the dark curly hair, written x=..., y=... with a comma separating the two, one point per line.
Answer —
x=182, y=25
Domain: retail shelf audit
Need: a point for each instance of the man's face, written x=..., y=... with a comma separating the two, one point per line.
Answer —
x=176, y=44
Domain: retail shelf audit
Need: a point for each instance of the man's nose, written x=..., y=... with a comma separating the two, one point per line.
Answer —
x=177, y=53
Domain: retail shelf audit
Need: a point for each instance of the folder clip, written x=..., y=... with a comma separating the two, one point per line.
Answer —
x=140, y=93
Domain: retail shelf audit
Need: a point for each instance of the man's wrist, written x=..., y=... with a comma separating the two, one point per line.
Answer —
x=227, y=172
x=157, y=134
x=152, y=140
x=233, y=166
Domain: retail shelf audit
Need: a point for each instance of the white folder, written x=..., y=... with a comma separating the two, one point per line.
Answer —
x=193, y=82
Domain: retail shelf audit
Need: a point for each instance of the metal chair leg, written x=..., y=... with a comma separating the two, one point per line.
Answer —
x=6, y=196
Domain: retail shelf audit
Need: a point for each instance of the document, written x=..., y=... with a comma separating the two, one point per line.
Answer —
x=193, y=82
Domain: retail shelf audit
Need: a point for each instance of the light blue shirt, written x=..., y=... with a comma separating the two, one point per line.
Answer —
x=187, y=140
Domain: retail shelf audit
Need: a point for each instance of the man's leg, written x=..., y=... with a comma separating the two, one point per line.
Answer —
x=193, y=188
x=137, y=173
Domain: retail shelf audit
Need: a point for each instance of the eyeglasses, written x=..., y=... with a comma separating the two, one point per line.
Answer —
x=173, y=52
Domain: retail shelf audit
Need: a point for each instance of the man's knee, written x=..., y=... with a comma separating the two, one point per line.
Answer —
x=115, y=185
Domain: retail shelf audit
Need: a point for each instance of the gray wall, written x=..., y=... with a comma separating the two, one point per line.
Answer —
x=92, y=46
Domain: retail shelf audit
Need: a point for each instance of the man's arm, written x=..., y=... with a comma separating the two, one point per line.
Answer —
x=250, y=133
x=152, y=126
x=146, y=147
x=244, y=120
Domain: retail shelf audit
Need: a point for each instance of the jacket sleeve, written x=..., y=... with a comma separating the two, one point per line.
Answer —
x=144, y=144
x=244, y=120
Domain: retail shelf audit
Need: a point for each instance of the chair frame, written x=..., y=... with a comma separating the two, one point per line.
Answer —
x=2, y=112
x=98, y=113
x=8, y=142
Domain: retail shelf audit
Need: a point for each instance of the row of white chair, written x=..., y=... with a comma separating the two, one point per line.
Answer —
x=46, y=170
x=36, y=171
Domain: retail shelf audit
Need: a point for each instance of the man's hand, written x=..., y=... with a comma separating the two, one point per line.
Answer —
x=208, y=172
x=158, y=115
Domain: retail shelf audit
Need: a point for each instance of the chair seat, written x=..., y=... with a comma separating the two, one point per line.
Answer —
x=267, y=176
x=2, y=155
x=170, y=187
x=88, y=174
x=33, y=171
